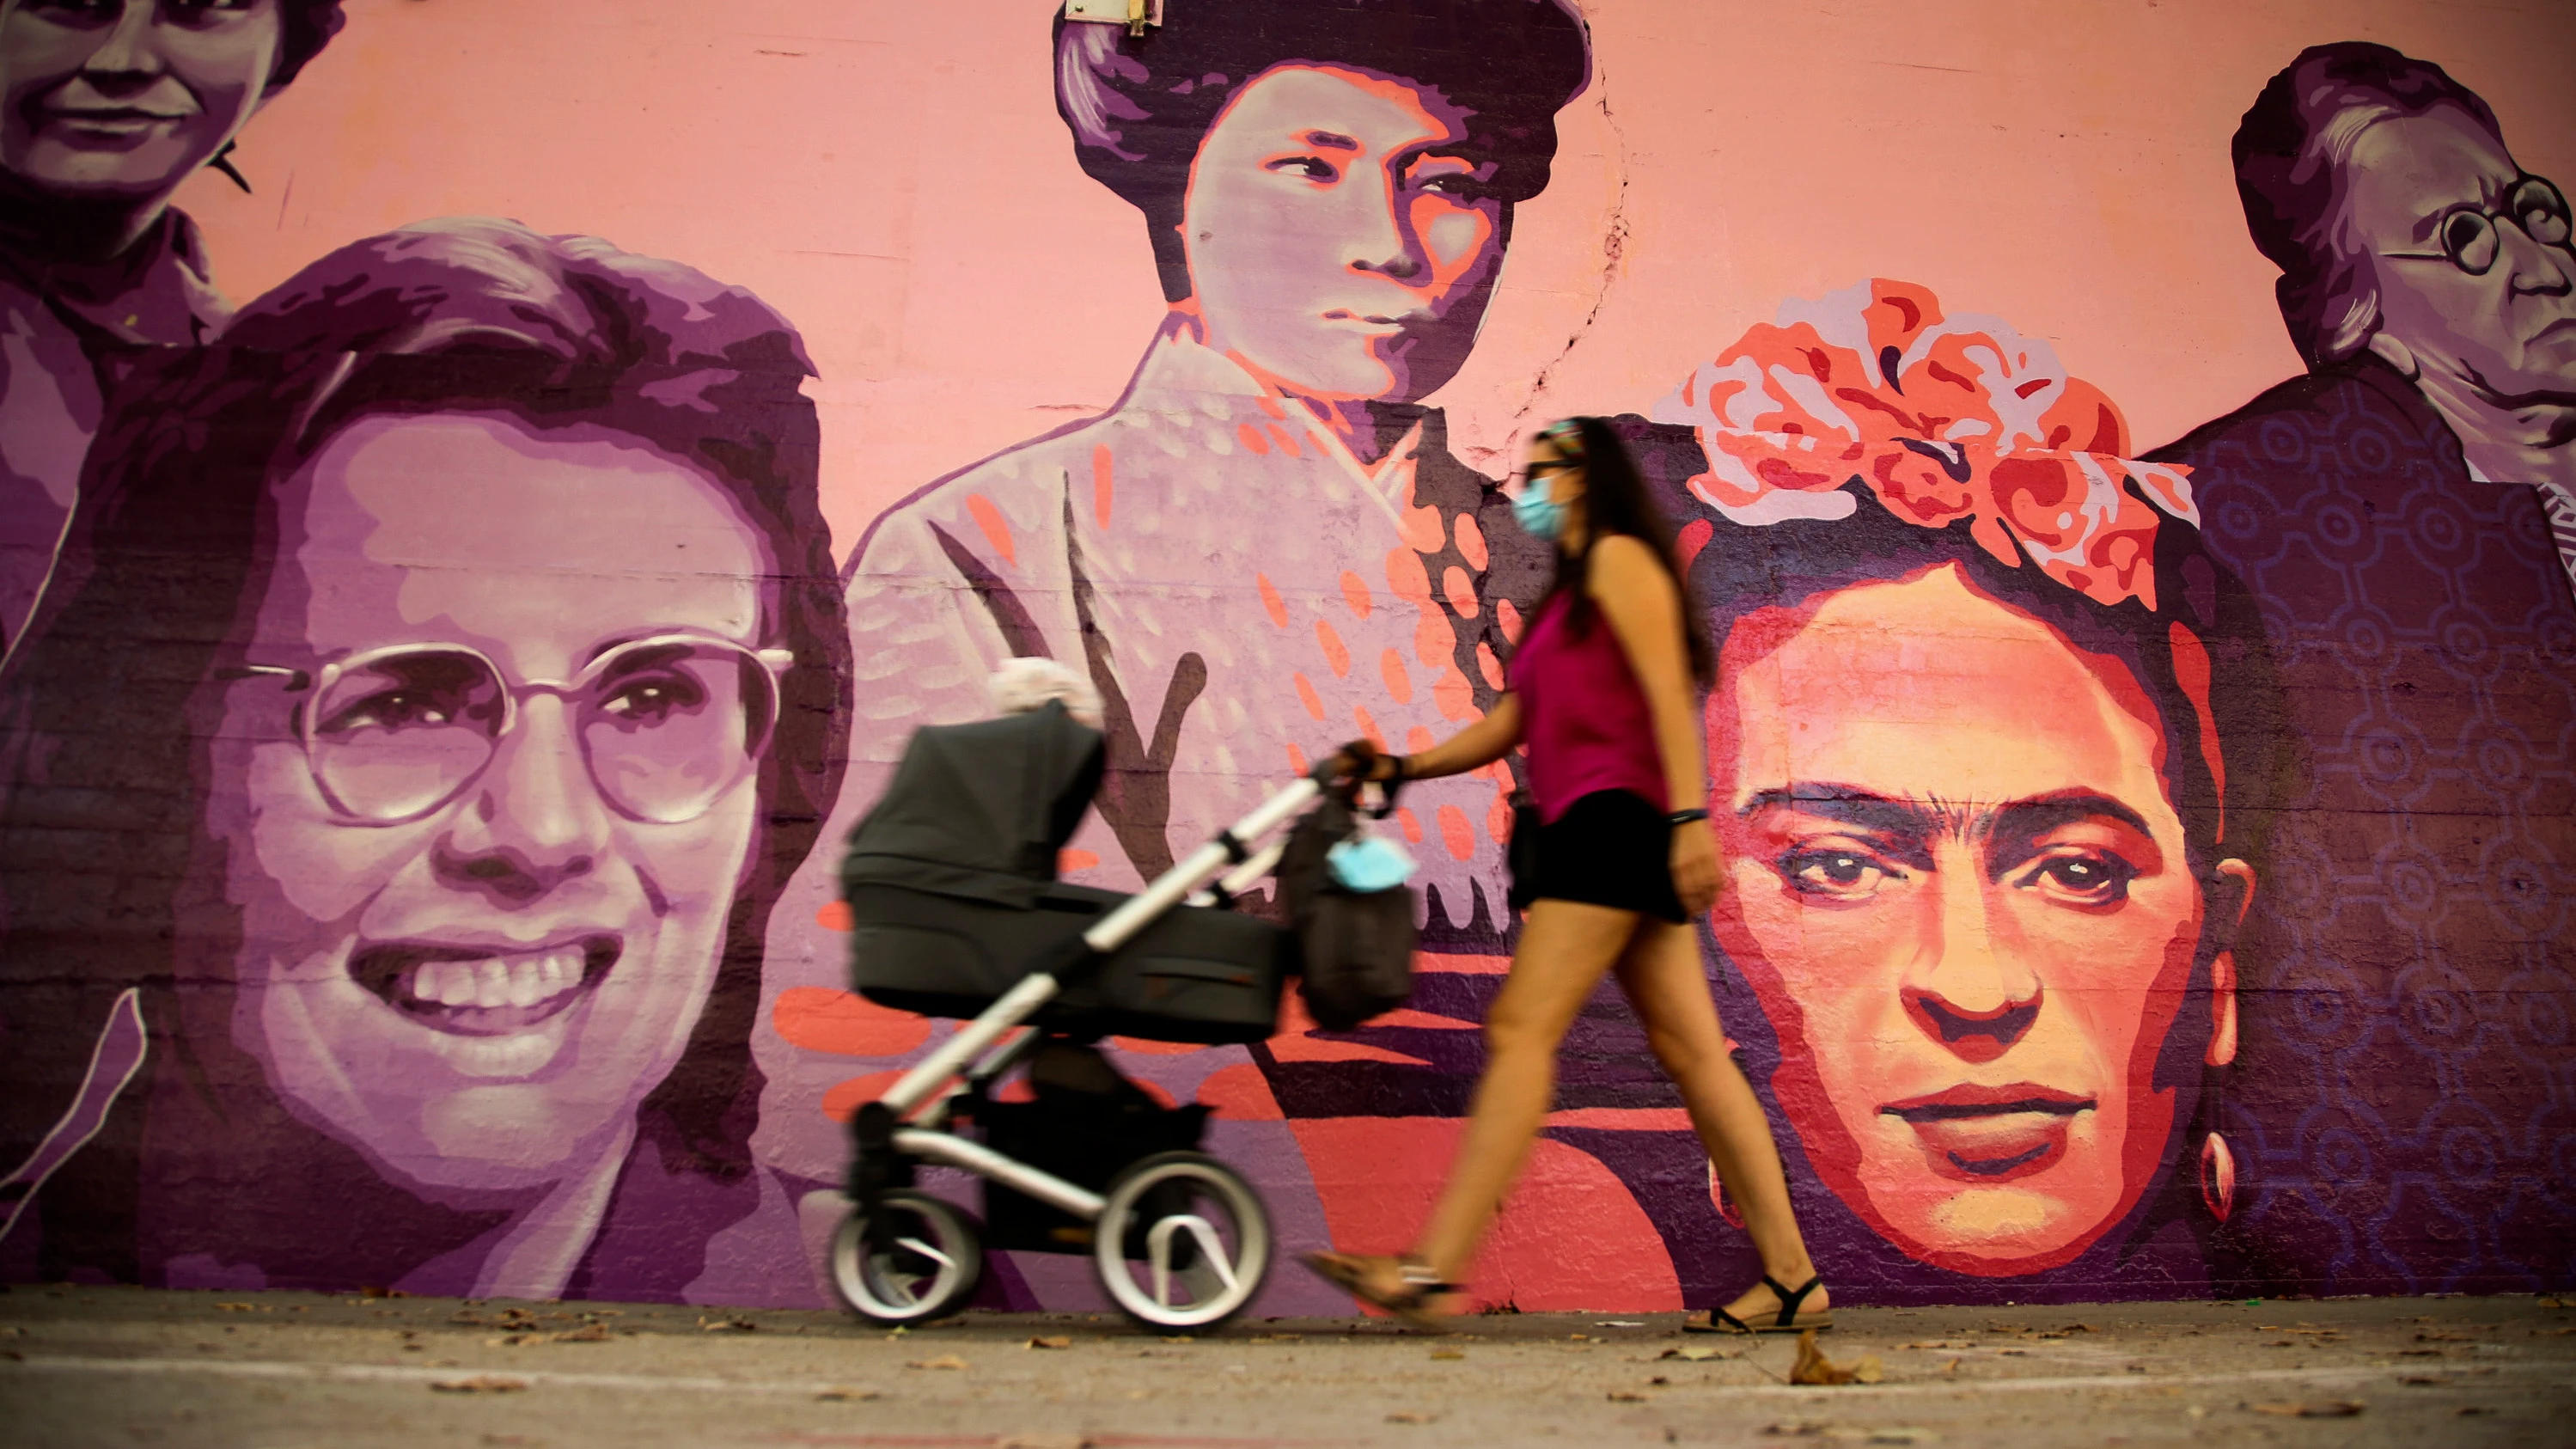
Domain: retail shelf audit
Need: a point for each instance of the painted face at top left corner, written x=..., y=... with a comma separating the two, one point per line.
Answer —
x=127, y=98
x=1340, y=241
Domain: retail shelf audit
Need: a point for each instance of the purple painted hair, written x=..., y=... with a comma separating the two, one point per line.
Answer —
x=307, y=26
x=2290, y=153
x=1138, y=106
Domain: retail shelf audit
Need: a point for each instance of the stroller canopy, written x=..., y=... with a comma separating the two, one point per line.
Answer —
x=980, y=810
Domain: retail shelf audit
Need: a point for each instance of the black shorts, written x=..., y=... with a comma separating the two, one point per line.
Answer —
x=1610, y=848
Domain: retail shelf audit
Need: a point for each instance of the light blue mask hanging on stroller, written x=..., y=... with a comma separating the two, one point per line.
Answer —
x=1366, y=863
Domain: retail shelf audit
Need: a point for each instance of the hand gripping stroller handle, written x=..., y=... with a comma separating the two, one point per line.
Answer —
x=1387, y=789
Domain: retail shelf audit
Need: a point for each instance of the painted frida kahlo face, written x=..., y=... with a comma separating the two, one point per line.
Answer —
x=1339, y=241
x=1955, y=880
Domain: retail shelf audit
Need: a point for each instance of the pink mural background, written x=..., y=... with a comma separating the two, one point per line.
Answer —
x=2066, y=168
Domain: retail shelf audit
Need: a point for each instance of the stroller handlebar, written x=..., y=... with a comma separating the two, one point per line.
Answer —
x=1232, y=846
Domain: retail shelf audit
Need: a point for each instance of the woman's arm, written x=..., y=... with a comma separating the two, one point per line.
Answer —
x=1637, y=595
x=1481, y=743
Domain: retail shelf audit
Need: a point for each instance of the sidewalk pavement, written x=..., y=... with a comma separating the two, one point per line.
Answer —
x=127, y=1367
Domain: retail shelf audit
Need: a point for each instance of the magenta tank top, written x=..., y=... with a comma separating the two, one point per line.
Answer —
x=1583, y=714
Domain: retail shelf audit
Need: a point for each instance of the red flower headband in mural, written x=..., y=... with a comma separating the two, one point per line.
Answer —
x=1942, y=419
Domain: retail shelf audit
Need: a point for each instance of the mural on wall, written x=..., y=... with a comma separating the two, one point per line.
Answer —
x=2418, y=917
x=434, y=701
x=105, y=109
x=501, y=691
x=1988, y=745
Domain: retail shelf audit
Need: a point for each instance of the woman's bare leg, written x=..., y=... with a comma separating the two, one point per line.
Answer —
x=1661, y=974
x=1564, y=949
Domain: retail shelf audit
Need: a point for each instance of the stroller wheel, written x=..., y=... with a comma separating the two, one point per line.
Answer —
x=913, y=1259
x=1182, y=1242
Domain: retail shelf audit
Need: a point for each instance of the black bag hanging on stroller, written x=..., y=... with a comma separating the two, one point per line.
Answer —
x=1355, y=947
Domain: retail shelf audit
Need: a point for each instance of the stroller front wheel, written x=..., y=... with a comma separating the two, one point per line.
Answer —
x=911, y=1259
x=1182, y=1242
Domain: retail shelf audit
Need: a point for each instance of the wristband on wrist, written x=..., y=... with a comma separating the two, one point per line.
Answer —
x=1685, y=817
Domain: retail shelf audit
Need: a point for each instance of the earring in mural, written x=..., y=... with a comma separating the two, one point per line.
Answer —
x=223, y=162
x=2217, y=1176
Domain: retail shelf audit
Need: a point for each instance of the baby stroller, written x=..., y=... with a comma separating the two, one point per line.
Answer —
x=956, y=911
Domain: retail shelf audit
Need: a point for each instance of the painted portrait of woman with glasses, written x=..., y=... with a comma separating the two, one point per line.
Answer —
x=512, y=668
x=2427, y=279
x=2404, y=512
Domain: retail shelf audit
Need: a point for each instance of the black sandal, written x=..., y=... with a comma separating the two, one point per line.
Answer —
x=1412, y=1303
x=1721, y=1321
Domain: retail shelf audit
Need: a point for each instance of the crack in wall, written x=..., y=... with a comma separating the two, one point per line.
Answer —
x=1614, y=247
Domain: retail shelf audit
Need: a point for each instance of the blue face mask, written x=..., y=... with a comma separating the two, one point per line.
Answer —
x=1539, y=516
x=1367, y=863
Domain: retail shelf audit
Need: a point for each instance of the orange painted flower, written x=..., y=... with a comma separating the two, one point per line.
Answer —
x=1941, y=419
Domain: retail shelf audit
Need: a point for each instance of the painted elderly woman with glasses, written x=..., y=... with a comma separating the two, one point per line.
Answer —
x=510, y=664
x=2394, y=510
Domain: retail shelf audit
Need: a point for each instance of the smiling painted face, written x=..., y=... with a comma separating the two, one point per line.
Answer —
x=2487, y=300
x=484, y=861
x=127, y=98
x=1955, y=881
x=1339, y=242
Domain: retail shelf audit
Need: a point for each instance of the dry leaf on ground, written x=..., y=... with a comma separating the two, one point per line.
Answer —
x=2314, y=1409
x=944, y=1361
x=1447, y=1353
x=1813, y=1367
x=723, y=1325
x=844, y=1394
x=1060, y=1340
x=479, y=1384
x=1410, y=1416
x=1693, y=1355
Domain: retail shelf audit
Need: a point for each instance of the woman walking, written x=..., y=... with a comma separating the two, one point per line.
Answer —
x=1602, y=690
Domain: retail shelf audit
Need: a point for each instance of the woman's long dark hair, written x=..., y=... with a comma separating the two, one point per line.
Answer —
x=1615, y=500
